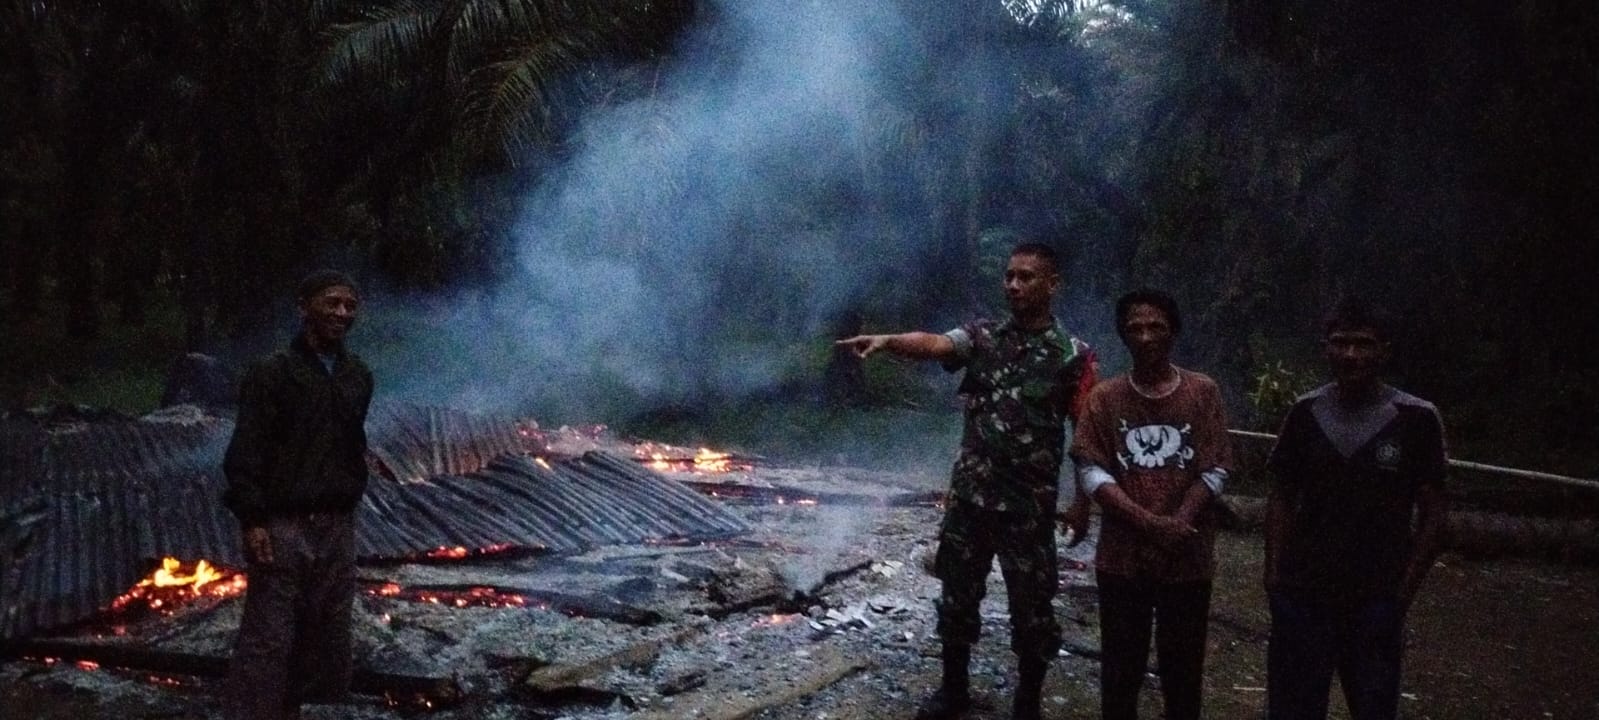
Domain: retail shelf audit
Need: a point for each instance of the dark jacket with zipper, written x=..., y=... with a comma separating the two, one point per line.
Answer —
x=300, y=443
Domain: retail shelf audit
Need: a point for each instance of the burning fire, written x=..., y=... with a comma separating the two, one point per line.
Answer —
x=175, y=584
x=666, y=458
x=712, y=462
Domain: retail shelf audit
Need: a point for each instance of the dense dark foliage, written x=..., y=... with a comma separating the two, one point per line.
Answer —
x=1259, y=158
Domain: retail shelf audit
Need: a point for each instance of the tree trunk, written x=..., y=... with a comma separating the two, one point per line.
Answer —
x=22, y=250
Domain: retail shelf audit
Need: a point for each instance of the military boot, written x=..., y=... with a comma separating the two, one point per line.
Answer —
x=1029, y=690
x=953, y=697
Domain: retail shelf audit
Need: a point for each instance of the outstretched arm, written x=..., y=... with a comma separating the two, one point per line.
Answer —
x=913, y=345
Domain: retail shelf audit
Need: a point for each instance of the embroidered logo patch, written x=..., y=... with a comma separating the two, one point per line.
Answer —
x=1388, y=455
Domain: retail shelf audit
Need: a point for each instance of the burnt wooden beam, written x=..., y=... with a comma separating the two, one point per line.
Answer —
x=774, y=494
x=554, y=679
x=777, y=593
x=590, y=606
x=131, y=657
x=786, y=683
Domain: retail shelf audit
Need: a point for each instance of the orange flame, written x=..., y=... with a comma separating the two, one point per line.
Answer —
x=707, y=460
x=171, y=574
x=174, y=584
x=668, y=458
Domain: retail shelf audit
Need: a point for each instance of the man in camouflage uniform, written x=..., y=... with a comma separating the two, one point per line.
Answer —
x=1024, y=378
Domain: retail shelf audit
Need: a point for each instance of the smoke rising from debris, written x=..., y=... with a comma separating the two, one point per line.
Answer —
x=698, y=244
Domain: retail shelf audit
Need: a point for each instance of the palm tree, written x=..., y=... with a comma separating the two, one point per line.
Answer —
x=465, y=90
x=485, y=78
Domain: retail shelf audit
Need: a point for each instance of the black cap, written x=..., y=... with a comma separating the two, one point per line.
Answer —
x=321, y=280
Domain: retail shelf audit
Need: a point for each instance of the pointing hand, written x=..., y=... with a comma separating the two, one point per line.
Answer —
x=864, y=345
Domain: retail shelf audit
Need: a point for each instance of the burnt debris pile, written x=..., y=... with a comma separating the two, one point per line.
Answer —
x=88, y=508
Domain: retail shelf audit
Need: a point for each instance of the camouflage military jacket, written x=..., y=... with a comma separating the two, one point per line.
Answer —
x=1020, y=388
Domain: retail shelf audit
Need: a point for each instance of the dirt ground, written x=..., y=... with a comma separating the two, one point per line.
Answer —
x=1488, y=638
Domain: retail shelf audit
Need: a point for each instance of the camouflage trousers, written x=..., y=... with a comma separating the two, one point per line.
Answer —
x=1025, y=543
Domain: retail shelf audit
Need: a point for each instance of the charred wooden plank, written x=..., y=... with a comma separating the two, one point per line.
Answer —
x=553, y=679
x=788, y=683
x=589, y=606
x=367, y=681
x=774, y=494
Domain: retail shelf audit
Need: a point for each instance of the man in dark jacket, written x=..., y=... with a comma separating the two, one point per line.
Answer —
x=296, y=468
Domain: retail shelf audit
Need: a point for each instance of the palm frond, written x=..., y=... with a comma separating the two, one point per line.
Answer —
x=508, y=103
x=500, y=21
x=385, y=44
x=323, y=12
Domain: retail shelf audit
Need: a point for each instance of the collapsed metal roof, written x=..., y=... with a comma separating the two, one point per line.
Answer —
x=86, y=509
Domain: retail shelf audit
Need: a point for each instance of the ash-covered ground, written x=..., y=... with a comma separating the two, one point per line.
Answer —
x=824, y=612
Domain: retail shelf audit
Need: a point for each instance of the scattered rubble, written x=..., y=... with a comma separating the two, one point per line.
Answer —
x=821, y=612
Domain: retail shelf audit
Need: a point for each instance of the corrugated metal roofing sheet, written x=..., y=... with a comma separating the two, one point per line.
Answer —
x=88, y=509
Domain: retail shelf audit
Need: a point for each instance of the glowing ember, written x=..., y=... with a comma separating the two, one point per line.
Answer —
x=461, y=553
x=176, y=584
x=776, y=619
x=565, y=440
x=468, y=597
x=87, y=665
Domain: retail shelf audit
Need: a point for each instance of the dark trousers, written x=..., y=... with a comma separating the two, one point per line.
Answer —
x=1179, y=612
x=294, y=641
x=1313, y=636
x=1025, y=543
